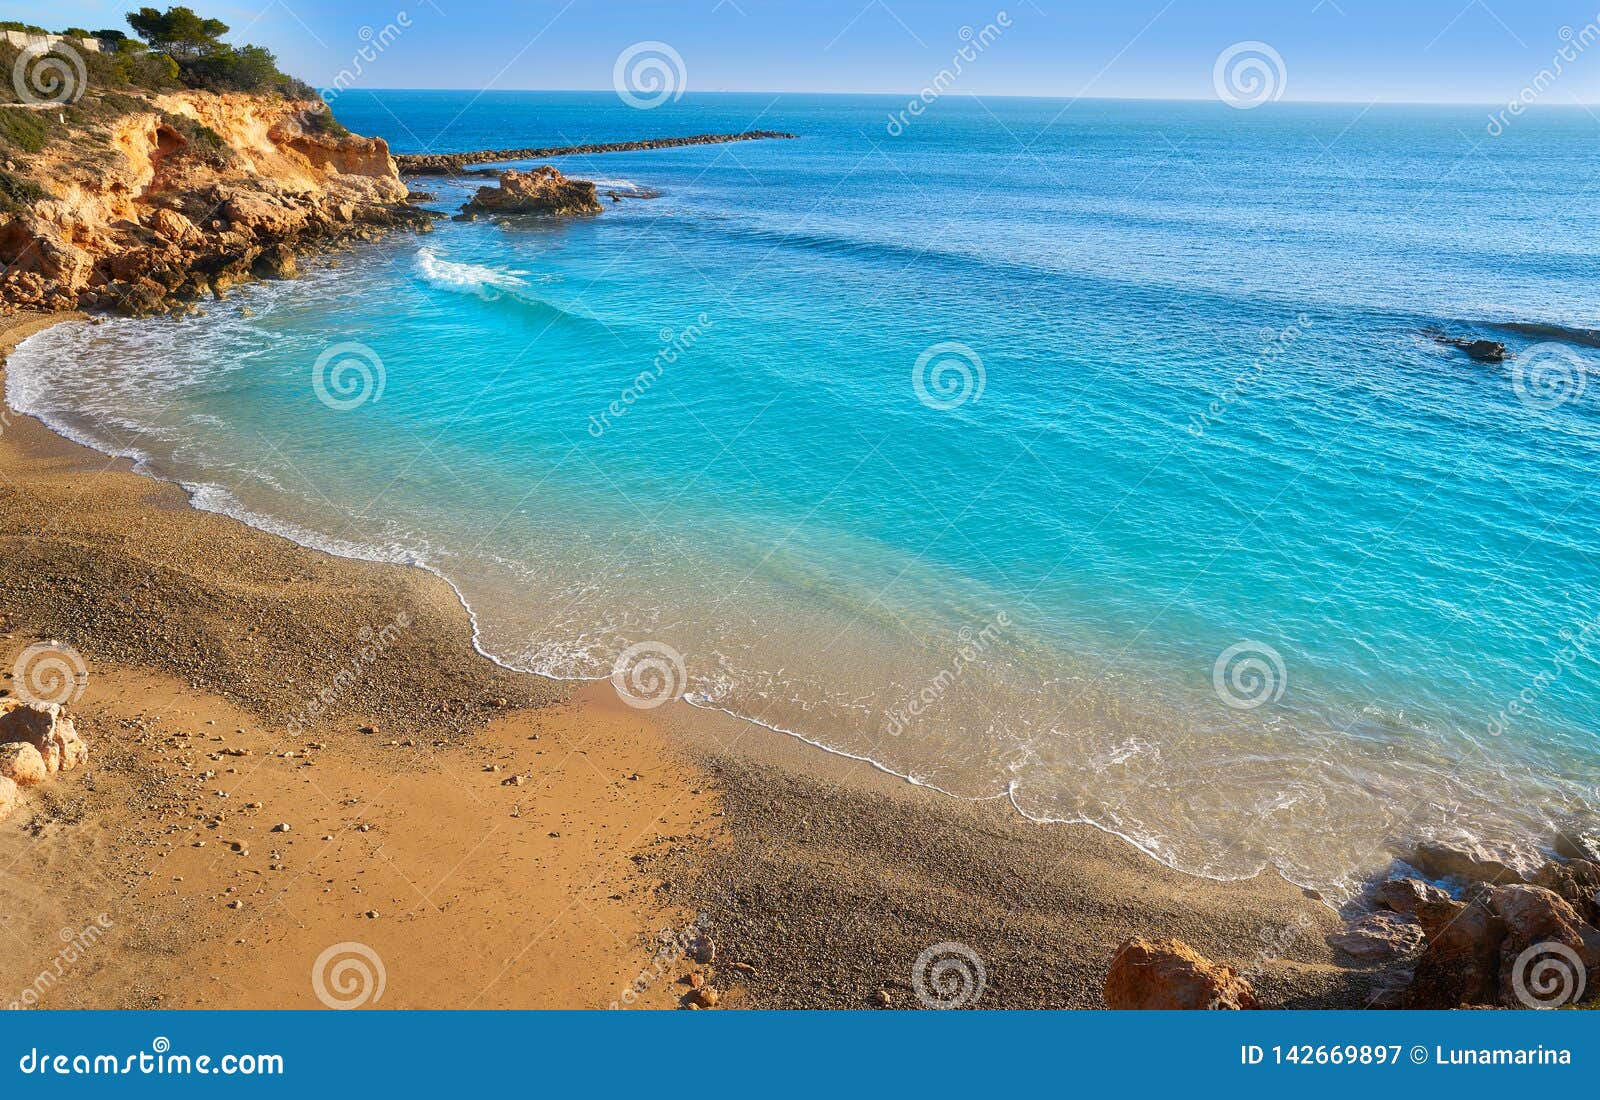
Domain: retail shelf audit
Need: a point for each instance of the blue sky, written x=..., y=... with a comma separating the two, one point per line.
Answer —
x=1359, y=50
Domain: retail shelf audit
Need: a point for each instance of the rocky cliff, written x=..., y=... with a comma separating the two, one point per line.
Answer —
x=139, y=203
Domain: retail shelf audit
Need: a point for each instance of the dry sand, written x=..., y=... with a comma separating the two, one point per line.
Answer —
x=154, y=877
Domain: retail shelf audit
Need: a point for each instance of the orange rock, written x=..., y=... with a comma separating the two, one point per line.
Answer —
x=8, y=797
x=1536, y=916
x=704, y=997
x=47, y=728
x=1171, y=974
x=22, y=764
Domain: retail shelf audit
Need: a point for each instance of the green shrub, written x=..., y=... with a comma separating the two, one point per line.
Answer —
x=24, y=130
x=321, y=121
x=18, y=194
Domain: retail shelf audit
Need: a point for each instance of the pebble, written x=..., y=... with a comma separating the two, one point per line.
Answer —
x=281, y=827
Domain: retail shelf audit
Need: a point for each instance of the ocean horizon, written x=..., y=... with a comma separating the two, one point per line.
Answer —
x=1109, y=460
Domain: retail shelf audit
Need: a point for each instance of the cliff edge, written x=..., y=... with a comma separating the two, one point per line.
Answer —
x=140, y=202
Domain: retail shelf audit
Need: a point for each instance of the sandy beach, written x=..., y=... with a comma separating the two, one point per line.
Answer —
x=494, y=839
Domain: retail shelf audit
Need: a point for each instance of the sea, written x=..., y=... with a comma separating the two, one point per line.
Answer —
x=1109, y=458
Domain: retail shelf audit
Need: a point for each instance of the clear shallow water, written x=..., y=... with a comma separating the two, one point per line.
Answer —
x=1210, y=428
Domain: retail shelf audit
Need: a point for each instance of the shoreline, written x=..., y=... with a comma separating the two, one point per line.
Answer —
x=824, y=875
x=289, y=531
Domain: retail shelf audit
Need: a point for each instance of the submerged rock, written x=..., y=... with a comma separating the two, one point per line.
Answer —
x=1170, y=974
x=544, y=190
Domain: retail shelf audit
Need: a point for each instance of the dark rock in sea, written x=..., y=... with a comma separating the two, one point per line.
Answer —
x=1484, y=351
x=455, y=163
x=544, y=190
x=277, y=262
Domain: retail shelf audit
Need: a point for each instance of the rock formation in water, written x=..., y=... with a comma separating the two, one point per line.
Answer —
x=452, y=163
x=542, y=190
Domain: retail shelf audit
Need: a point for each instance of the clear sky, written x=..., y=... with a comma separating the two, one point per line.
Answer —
x=1478, y=51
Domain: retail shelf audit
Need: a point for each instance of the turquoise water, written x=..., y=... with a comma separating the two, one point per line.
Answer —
x=1184, y=527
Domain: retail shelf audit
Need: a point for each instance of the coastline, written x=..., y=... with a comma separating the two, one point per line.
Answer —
x=823, y=876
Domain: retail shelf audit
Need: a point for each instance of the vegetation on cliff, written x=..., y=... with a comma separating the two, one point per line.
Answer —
x=150, y=173
x=175, y=49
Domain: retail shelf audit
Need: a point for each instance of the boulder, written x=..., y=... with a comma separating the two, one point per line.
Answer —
x=1476, y=860
x=21, y=763
x=1535, y=918
x=8, y=797
x=277, y=262
x=544, y=190
x=1578, y=842
x=1380, y=939
x=1170, y=974
x=1484, y=351
x=47, y=728
x=1406, y=895
x=1578, y=882
x=1461, y=963
x=173, y=226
